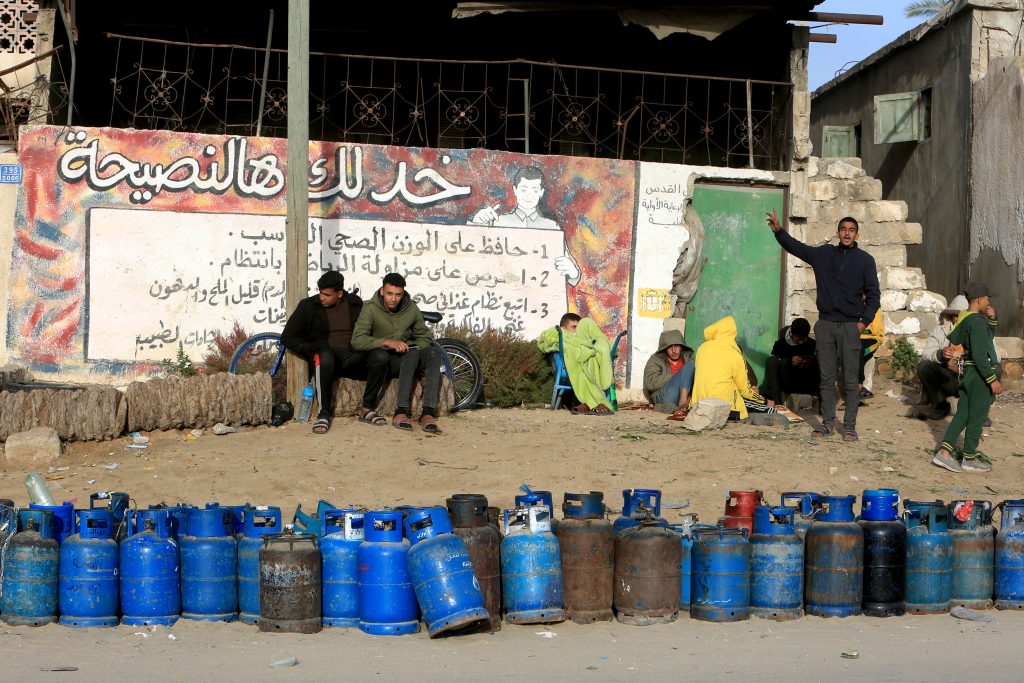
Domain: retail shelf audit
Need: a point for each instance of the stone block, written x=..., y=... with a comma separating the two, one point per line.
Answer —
x=887, y=211
x=823, y=190
x=901, y=323
x=800, y=279
x=802, y=304
x=897, y=232
x=812, y=167
x=34, y=447
x=843, y=169
x=893, y=300
x=917, y=343
x=1013, y=375
x=923, y=301
x=887, y=254
x=896, y=277
x=1009, y=348
x=677, y=324
x=708, y=413
x=825, y=162
x=864, y=188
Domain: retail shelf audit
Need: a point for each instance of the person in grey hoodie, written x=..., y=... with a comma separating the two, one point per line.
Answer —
x=391, y=329
x=668, y=375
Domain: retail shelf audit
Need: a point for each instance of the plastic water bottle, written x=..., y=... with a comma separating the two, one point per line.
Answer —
x=306, y=406
x=38, y=493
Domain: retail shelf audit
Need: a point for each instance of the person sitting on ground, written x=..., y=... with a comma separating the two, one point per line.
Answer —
x=668, y=375
x=792, y=368
x=391, y=329
x=721, y=372
x=586, y=353
x=870, y=339
x=321, y=325
x=976, y=360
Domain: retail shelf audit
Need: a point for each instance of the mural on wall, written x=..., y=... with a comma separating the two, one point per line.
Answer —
x=129, y=242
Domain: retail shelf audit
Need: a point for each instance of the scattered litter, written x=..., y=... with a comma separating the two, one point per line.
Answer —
x=58, y=668
x=90, y=482
x=138, y=438
x=51, y=470
x=140, y=633
x=959, y=489
x=286, y=661
x=676, y=506
x=221, y=429
x=171, y=636
x=136, y=447
x=854, y=477
x=591, y=668
x=971, y=615
x=331, y=488
x=546, y=634
x=888, y=469
x=110, y=466
x=833, y=470
x=898, y=432
x=850, y=654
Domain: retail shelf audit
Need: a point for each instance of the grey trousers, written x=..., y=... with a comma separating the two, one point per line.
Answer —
x=838, y=343
x=421, y=361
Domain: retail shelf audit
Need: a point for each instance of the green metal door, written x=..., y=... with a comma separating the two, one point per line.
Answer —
x=742, y=276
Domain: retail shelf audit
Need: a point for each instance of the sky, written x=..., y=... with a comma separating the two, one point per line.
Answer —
x=856, y=41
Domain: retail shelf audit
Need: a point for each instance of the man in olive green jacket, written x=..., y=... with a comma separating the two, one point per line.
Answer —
x=668, y=375
x=391, y=329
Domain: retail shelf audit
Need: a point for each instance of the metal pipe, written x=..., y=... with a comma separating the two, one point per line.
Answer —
x=263, y=81
x=832, y=18
x=750, y=126
x=74, y=60
x=823, y=38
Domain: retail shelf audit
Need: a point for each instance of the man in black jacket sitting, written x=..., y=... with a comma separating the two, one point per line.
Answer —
x=792, y=367
x=322, y=326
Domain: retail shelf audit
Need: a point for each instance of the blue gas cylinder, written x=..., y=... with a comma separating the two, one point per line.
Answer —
x=209, y=566
x=1009, y=571
x=885, y=554
x=529, y=498
x=442, y=574
x=970, y=528
x=238, y=520
x=117, y=503
x=720, y=575
x=834, y=560
x=776, y=565
x=685, y=529
x=178, y=516
x=259, y=521
x=929, y=557
x=805, y=505
x=387, y=601
x=150, y=576
x=89, y=572
x=531, y=568
x=63, y=519
x=31, y=560
x=343, y=534
x=635, y=504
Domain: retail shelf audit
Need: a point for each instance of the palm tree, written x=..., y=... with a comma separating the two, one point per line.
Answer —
x=924, y=8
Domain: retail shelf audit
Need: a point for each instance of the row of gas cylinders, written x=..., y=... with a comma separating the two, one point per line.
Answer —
x=384, y=570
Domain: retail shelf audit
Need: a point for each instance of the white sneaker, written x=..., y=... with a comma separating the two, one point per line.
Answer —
x=944, y=459
x=975, y=465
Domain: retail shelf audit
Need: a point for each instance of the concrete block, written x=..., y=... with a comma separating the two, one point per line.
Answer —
x=842, y=169
x=812, y=167
x=1009, y=348
x=893, y=300
x=901, y=323
x=825, y=162
x=36, y=446
x=887, y=254
x=799, y=279
x=898, y=232
x=802, y=304
x=864, y=188
x=921, y=300
x=823, y=190
x=888, y=211
x=896, y=277
x=709, y=413
x=929, y=321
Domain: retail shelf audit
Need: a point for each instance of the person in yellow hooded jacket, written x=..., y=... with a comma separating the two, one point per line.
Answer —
x=721, y=372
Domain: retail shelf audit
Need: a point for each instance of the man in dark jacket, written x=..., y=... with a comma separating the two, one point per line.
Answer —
x=842, y=273
x=792, y=367
x=321, y=325
x=397, y=341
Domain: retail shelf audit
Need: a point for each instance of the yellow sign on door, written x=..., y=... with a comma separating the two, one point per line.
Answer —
x=654, y=303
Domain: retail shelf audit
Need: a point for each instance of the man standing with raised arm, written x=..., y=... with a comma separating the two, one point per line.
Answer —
x=842, y=273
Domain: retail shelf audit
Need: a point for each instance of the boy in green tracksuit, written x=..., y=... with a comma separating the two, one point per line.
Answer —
x=978, y=383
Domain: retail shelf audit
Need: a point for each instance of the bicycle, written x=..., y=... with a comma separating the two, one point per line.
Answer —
x=264, y=352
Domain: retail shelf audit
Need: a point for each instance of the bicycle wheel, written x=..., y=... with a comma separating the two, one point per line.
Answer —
x=463, y=368
x=261, y=352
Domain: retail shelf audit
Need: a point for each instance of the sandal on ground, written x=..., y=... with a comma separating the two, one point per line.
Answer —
x=401, y=421
x=822, y=431
x=581, y=409
x=599, y=410
x=850, y=435
x=372, y=417
x=679, y=415
x=429, y=424
x=321, y=425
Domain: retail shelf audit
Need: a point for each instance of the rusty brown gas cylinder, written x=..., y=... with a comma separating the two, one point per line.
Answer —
x=469, y=517
x=648, y=567
x=291, y=589
x=587, y=546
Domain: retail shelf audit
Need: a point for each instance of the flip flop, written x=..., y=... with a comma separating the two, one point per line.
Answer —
x=679, y=415
x=429, y=424
x=321, y=425
x=401, y=421
x=372, y=417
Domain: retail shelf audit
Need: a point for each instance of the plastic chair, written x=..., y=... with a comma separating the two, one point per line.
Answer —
x=562, y=382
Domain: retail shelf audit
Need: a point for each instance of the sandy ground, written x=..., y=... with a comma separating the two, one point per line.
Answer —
x=493, y=452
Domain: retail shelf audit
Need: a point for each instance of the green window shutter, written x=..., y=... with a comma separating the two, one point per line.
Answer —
x=897, y=118
x=838, y=141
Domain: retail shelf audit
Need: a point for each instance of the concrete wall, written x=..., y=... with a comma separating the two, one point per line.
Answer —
x=8, y=200
x=931, y=176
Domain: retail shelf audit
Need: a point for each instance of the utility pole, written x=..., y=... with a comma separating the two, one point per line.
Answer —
x=297, y=222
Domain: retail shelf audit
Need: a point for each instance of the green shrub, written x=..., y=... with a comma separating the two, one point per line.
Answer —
x=515, y=371
x=904, y=360
x=181, y=365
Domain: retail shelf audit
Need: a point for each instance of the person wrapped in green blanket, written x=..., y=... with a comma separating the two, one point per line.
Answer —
x=587, y=356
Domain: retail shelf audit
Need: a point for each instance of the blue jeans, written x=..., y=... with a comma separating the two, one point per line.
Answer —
x=681, y=379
